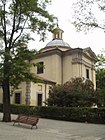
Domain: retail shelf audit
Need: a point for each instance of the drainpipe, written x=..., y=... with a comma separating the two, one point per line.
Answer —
x=45, y=92
x=62, y=69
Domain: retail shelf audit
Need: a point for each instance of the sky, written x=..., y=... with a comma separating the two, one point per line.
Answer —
x=63, y=10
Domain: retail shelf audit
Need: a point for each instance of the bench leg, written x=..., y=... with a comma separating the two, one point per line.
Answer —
x=33, y=125
x=16, y=122
x=13, y=123
x=36, y=126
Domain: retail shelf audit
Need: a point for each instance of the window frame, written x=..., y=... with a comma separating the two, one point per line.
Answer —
x=17, y=99
x=87, y=73
x=40, y=67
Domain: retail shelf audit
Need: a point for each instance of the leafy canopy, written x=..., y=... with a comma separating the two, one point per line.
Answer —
x=100, y=75
x=89, y=14
x=75, y=93
x=100, y=70
x=18, y=19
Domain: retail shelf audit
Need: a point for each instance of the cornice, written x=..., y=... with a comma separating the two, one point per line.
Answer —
x=46, y=81
x=81, y=61
x=72, y=51
x=50, y=52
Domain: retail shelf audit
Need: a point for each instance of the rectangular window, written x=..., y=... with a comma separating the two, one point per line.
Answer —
x=40, y=68
x=87, y=73
x=17, y=98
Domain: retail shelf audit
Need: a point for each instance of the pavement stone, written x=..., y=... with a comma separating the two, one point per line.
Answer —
x=52, y=130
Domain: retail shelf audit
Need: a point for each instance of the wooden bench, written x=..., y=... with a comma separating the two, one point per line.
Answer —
x=31, y=120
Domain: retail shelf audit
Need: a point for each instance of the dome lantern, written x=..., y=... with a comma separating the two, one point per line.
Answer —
x=57, y=33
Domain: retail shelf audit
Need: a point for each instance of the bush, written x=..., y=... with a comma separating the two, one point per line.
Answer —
x=76, y=114
x=75, y=93
x=20, y=109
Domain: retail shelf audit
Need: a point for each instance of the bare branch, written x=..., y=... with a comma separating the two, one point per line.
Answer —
x=22, y=29
x=88, y=14
x=92, y=25
x=4, y=25
x=13, y=25
x=20, y=14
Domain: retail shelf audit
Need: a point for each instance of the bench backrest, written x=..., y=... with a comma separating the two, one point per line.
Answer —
x=32, y=120
x=22, y=118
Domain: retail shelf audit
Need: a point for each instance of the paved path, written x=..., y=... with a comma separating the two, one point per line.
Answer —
x=52, y=130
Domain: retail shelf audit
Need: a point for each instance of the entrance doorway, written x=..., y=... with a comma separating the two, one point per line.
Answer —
x=17, y=98
x=39, y=99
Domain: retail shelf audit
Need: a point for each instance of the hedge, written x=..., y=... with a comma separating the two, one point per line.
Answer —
x=77, y=114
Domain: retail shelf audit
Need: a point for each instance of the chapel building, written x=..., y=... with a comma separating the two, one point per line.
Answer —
x=59, y=63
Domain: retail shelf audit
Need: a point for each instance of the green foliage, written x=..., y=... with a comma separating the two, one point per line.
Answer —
x=75, y=93
x=20, y=109
x=25, y=15
x=101, y=59
x=19, y=65
x=76, y=114
x=18, y=20
x=57, y=96
x=100, y=76
x=100, y=94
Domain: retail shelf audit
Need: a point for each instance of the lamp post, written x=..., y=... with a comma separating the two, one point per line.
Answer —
x=4, y=2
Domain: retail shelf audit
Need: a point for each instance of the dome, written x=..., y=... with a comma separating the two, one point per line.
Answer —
x=57, y=39
x=57, y=42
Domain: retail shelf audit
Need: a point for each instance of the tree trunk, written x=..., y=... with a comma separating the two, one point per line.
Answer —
x=6, y=101
x=6, y=89
x=6, y=69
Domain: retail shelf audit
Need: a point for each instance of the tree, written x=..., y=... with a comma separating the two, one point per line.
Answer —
x=75, y=93
x=89, y=14
x=101, y=60
x=18, y=18
x=100, y=76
